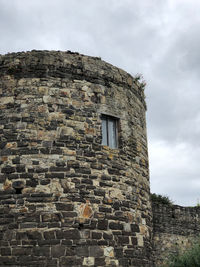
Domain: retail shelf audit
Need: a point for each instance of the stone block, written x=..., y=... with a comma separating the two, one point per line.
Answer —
x=71, y=234
x=135, y=228
x=18, y=251
x=5, y=251
x=57, y=251
x=107, y=236
x=70, y=261
x=115, y=226
x=64, y=206
x=96, y=235
x=102, y=224
x=96, y=251
x=8, y=169
x=49, y=234
x=89, y=261
x=41, y=251
x=82, y=251
x=7, y=100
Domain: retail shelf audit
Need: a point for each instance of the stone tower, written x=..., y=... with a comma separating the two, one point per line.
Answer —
x=74, y=182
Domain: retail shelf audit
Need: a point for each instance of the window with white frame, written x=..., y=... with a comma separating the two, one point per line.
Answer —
x=109, y=131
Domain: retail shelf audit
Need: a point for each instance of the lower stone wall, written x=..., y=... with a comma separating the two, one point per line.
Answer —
x=42, y=230
x=175, y=228
x=166, y=244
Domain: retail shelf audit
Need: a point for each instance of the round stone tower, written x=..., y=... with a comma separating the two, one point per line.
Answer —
x=74, y=181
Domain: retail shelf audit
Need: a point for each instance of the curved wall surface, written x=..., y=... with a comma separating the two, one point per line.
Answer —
x=66, y=199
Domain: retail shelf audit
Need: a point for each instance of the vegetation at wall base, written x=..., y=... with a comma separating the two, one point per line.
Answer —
x=156, y=198
x=190, y=258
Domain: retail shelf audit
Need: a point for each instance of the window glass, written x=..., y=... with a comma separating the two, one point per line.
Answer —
x=109, y=131
x=112, y=133
x=104, y=132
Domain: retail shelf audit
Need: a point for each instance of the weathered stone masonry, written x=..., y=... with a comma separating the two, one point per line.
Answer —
x=65, y=199
x=174, y=228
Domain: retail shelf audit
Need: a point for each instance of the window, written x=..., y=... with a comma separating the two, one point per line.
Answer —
x=109, y=131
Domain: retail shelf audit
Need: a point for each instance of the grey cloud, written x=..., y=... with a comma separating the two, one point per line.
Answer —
x=173, y=101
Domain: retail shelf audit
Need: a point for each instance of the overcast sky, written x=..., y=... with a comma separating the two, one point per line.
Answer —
x=158, y=38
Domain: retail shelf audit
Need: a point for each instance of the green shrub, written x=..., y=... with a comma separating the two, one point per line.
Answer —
x=190, y=258
x=161, y=199
x=198, y=203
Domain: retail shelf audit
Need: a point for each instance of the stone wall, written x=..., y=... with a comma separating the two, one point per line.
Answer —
x=174, y=228
x=65, y=199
